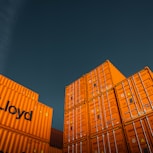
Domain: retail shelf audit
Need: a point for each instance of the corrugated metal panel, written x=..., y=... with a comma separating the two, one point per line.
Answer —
x=110, y=141
x=103, y=112
x=56, y=138
x=4, y=81
x=11, y=142
x=138, y=137
x=21, y=113
x=135, y=95
x=54, y=150
x=75, y=93
x=75, y=124
x=102, y=78
x=77, y=147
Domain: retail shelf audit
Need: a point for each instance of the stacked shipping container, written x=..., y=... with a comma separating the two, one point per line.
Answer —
x=135, y=100
x=25, y=123
x=117, y=112
x=91, y=109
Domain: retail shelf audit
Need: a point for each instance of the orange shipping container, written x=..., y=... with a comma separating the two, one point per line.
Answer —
x=135, y=95
x=110, y=141
x=4, y=81
x=20, y=113
x=12, y=142
x=103, y=112
x=56, y=138
x=81, y=146
x=54, y=150
x=138, y=137
x=75, y=93
x=102, y=78
x=75, y=124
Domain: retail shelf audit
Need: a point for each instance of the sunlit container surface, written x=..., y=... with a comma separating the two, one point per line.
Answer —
x=135, y=95
x=139, y=135
x=75, y=93
x=102, y=78
x=103, y=112
x=11, y=142
x=77, y=147
x=75, y=124
x=18, y=112
x=4, y=81
x=56, y=138
x=110, y=141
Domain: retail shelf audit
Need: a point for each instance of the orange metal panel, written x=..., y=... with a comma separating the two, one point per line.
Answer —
x=77, y=147
x=102, y=78
x=54, y=150
x=17, y=87
x=12, y=142
x=75, y=124
x=135, y=95
x=143, y=83
x=110, y=141
x=21, y=113
x=75, y=93
x=103, y=112
x=56, y=138
x=138, y=137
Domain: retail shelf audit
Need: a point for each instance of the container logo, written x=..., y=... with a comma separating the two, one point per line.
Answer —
x=13, y=110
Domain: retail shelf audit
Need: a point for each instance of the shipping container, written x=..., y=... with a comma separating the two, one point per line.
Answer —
x=75, y=93
x=138, y=136
x=102, y=78
x=103, y=112
x=56, y=138
x=4, y=81
x=18, y=112
x=112, y=141
x=13, y=142
x=135, y=95
x=75, y=124
x=54, y=150
x=81, y=146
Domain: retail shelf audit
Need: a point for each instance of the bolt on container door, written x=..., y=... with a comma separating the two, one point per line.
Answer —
x=102, y=78
x=75, y=93
x=110, y=141
x=77, y=147
x=4, y=81
x=75, y=124
x=138, y=137
x=103, y=112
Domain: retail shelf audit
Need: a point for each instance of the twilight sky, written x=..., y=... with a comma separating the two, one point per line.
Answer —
x=47, y=44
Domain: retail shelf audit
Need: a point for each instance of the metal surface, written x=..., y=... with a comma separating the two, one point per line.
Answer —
x=75, y=93
x=4, y=81
x=12, y=142
x=135, y=95
x=112, y=141
x=102, y=78
x=103, y=112
x=75, y=124
x=18, y=112
x=56, y=138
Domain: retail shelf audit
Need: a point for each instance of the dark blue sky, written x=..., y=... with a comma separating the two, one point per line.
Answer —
x=49, y=44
